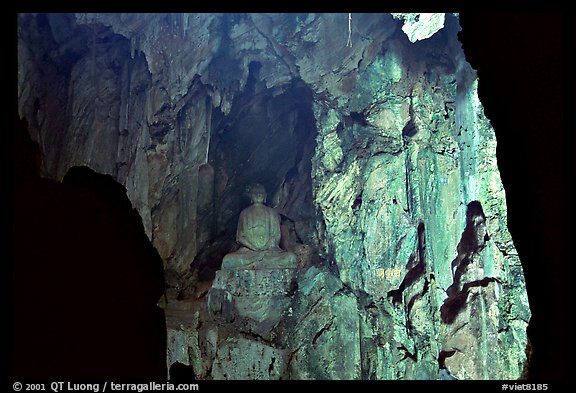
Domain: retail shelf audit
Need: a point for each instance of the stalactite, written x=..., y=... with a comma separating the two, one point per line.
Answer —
x=94, y=54
x=208, y=127
x=186, y=24
x=132, y=46
x=183, y=18
x=124, y=97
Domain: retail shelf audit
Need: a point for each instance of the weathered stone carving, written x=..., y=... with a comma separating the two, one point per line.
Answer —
x=259, y=234
x=253, y=284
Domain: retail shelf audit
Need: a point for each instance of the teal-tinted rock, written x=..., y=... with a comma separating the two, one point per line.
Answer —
x=402, y=272
x=326, y=325
x=244, y=359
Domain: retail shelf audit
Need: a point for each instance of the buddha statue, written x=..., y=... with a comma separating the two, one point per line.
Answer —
x=259, y=235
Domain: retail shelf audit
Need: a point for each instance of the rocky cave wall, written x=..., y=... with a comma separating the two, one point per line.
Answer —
x=375, y=150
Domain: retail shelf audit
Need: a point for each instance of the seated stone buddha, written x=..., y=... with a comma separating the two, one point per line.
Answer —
x=259, y=235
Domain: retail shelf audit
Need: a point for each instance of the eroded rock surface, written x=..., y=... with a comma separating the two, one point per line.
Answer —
x=377, y=156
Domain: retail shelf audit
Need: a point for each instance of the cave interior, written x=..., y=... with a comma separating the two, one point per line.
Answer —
x=84, y=272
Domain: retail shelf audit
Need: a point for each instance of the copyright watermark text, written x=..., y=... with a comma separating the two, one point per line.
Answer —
x=101, y=387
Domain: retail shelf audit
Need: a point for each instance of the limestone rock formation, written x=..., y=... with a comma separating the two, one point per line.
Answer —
x=377, y=156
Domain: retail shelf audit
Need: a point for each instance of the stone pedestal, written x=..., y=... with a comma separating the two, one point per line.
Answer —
x=250, y=302
x=254, y=298
x=245, y=258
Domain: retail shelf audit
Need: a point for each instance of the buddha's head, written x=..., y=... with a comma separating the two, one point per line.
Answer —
x=257, y=193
